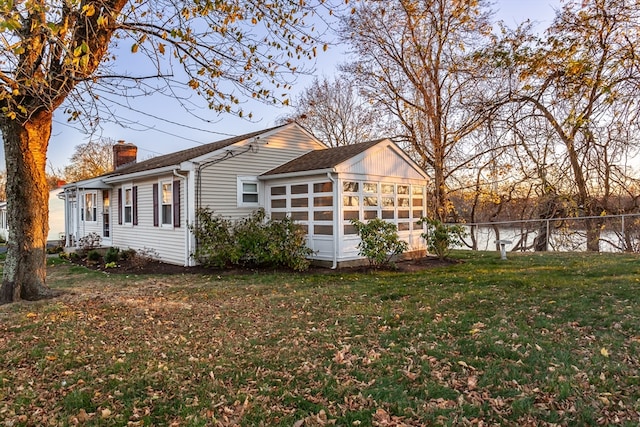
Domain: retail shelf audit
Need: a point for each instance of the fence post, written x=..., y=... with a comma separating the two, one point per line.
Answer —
x=546, y=241
x=622, y=237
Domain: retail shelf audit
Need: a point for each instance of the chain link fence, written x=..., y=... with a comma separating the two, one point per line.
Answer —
x=610, y=233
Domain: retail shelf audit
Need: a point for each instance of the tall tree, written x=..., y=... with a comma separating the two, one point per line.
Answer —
x=411, y=56
x=54, y=51
x=581, y=80
x=90, y=159
x=334, y=113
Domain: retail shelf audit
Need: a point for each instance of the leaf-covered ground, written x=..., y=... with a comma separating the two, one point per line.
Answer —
x=535, y=340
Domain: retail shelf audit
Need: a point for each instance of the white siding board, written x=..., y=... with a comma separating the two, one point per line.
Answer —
x=169, y=243
x=218, y=187
x=385, y=162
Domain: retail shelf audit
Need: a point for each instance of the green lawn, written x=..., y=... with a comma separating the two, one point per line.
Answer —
x=548, y=339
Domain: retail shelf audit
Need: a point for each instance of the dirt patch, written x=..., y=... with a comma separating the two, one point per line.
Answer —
x=157, y=267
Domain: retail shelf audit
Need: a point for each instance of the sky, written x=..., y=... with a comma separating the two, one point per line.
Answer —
x=160, y=126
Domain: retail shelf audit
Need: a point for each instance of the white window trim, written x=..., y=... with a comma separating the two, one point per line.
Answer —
x=161, y=205
x=247, y=180
x=94, y=208
x=124, y=205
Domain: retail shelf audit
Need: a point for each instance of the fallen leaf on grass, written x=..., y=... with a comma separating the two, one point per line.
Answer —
x=604, y=352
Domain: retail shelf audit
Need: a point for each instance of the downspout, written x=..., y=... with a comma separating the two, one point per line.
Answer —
x=187, y=234
x=336, y=220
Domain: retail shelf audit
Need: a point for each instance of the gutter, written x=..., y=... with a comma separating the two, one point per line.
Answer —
x=141, y=174
x=187, y=234
x=298, y=174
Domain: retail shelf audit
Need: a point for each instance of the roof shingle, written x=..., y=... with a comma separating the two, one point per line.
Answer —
x=183, y=155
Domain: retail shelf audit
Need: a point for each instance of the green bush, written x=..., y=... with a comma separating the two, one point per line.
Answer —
x=441, y=237
x=253, y=241
x=379, y=241
x=93, y=255
x=112, y=255
x=215, y=242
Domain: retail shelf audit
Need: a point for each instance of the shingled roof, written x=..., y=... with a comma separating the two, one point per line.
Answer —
x=184, y=155
x=323, y=159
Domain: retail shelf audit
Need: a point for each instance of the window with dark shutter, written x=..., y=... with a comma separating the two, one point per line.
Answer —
x=135, y=204
x=176, y=204
x=120, y=207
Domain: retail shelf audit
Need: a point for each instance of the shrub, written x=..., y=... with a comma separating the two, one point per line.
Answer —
x=252, y=241
x=112, y=255
x=379, y=241
x=90, y=241
x=215, y=242
x=441, y=237
x=93, y=255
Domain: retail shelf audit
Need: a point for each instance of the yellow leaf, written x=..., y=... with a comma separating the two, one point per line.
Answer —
x=604, y=352
x=51, y=358
x=161, y=48
x=134, y=48
x=31, y=315
x=89, y=10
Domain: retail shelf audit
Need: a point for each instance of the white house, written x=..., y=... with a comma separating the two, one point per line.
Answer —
x=56, y=217
x=284, y=170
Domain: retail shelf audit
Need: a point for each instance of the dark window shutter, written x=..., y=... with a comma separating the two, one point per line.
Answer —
x=176, y=204
x=120, y=207
x=134, y=201
x=156, y=216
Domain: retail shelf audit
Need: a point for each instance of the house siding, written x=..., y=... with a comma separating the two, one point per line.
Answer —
x=218, y=178
x=167, y=242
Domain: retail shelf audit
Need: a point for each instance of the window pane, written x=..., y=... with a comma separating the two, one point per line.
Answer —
x=127, y=214
x=388, y=201
x=370, y=187
x=351, y=215
x=403, y=189
x=387, y=188
x=323, y=201
x=323, y=229
x=403, y=226
x=323, y=215
x=350, y=187
x=370, y=201
x=387, y=214
x=250, y=198
x=249, y=187
x=127, y=196
x=278, y=215
x=300, y=216
x=403, y=202
x=417, y=213
x=370, y=214
x=403, y=214
x=351, y=201
x=166, y=214
x=416, y=189
x=417, y=202
x=278, y=191
x=167, y=193
x=323, y=187
x=350, y=229
x=299, y=203
x=299, y=189
x=279, y=203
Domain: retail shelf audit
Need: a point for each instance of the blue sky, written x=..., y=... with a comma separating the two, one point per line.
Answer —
x=167, y=128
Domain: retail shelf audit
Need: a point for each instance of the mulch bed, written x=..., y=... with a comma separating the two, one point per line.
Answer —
x=157, y=267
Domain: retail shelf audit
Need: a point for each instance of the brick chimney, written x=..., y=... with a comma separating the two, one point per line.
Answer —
x=124, y=153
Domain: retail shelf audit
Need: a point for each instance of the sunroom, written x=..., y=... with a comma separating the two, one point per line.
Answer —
x=324, y=190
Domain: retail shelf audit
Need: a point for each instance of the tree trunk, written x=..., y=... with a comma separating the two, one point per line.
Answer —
x=593, y=227
x=25, y=148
